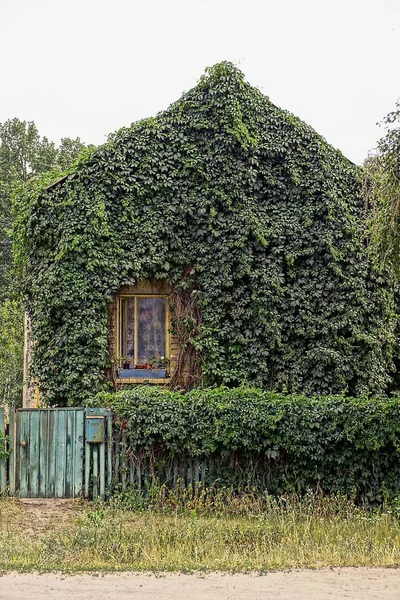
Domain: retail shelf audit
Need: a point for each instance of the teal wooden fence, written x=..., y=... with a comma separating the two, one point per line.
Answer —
x=46, y=449
x=49, y=455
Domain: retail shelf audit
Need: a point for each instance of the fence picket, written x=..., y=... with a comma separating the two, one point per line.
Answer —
x=123, y=460
x=139, y=475
x=116, y=457
x=95, y=479
x=11, y=447
x=203, y=473
x=131, y=472
x=3, y=482
x=87, y=469
x=102, y=475
x=109, y=453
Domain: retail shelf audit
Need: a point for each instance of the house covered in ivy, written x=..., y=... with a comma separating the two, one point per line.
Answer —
x=220, y=242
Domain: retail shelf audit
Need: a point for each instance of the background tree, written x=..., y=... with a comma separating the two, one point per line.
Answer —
x=11, y=352
x=382, y=193
x=24, y=154
x=68, y=152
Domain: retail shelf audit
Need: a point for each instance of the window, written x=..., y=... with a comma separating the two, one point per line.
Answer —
x=142, y=336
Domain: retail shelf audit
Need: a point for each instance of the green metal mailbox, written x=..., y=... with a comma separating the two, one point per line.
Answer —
x=94, y=429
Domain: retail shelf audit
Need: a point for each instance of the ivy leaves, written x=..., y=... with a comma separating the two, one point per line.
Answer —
x=287, y=442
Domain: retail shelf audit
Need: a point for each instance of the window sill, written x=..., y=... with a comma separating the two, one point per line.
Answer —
x=143, y=380
x=142, y=373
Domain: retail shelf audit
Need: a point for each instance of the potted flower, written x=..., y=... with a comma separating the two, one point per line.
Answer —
x=158, y=363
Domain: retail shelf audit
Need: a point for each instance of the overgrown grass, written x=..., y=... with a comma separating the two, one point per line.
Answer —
x=233, y=534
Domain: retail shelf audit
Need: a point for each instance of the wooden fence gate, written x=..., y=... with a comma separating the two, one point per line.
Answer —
x=53, y=453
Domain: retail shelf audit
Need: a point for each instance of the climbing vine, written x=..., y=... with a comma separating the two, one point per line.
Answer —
x=186, y=325
x=235, y=203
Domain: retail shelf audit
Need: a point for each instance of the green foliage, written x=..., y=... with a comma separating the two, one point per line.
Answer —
x=280, y=443
x=11, y=353
x=4, y=451
x=69, y=152
x=23, y=155
x=382, y=193
x=234, y=201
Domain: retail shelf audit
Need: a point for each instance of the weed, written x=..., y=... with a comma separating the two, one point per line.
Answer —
x=213, y=531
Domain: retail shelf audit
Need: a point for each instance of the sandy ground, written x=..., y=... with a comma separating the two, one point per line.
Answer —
x=326, y=584
x=38, y=515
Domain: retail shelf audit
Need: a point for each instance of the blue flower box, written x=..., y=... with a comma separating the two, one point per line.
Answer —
x=143, y=373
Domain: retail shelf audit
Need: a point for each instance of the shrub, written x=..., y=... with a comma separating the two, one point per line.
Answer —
x=257, y=438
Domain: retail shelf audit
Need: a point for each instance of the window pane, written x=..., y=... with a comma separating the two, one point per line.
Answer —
x=151, y=328
x=128, y=328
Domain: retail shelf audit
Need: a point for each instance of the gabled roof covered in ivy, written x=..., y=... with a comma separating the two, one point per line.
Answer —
x=235, y=202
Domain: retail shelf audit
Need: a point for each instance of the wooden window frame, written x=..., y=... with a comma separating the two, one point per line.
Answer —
x=119, y=337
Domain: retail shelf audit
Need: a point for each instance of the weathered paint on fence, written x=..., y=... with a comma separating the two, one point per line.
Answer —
x=46, y=459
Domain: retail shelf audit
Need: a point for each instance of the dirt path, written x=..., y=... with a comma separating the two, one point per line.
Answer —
x=326, y=584
x=38, y=516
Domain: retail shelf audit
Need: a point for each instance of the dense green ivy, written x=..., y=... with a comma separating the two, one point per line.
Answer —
x=235, y=200
x=286, y=442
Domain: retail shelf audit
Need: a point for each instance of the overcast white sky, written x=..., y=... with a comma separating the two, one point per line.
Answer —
x=87, y=67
